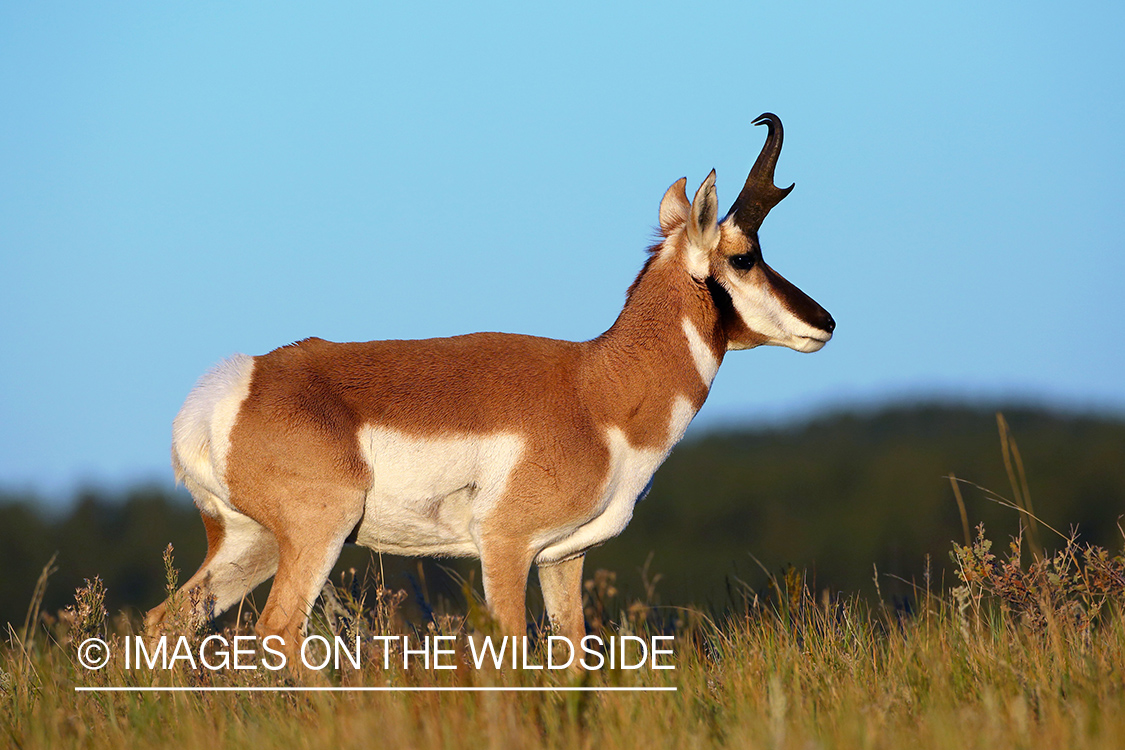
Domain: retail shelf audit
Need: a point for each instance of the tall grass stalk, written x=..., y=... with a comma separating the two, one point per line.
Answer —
x=978, y=666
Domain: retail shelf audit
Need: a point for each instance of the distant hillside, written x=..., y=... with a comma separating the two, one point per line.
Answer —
x=843, y=492
x=834, y=496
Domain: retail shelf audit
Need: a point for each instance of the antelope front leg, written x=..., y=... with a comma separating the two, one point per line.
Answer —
x=562, y=593
x=504, y=567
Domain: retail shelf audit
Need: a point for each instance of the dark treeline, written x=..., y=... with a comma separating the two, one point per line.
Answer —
x=832, y=496
x=842, y=493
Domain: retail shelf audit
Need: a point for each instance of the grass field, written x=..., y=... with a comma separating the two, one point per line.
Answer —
x=1028, y=651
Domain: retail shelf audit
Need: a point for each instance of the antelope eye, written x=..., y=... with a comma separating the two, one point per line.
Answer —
x=743, y=262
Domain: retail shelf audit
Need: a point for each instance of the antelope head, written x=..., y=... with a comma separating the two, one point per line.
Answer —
x=757, y=304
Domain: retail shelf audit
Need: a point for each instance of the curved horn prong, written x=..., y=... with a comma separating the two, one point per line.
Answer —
x=759, y=194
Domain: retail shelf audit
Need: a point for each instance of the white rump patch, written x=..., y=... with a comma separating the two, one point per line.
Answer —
x=201, y=430
x=427, y=494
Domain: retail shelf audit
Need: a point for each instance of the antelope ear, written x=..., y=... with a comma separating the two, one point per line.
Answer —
x=674, y=208
x=703, y=227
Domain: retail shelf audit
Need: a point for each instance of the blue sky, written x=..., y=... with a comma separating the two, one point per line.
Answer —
x=179, y=182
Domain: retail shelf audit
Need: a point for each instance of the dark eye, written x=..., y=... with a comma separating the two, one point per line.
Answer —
x=743, y=262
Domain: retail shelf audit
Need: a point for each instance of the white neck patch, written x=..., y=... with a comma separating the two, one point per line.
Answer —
x=705, y=360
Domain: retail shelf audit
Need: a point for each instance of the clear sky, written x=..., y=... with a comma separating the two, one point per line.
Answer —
x=182, y=181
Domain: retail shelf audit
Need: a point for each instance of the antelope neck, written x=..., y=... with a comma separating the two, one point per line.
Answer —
x=663, y=348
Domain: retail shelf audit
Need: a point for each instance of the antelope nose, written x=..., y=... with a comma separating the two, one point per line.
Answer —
x=829, y=324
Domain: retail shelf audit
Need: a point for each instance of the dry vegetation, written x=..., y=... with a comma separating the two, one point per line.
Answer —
x=1028, y=650
x=1020, y=654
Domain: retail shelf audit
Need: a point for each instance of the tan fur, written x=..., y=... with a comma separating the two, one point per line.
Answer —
x=295, y=464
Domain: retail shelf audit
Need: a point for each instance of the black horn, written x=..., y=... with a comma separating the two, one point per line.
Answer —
x=759, y=194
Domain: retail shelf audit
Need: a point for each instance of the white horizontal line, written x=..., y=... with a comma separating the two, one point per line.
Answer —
x=333, y=689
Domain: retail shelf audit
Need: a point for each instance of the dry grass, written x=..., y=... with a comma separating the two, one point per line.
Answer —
x=1019, y=654
x=1016, y=656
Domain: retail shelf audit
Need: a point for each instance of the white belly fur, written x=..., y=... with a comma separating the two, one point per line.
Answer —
x=427, y=494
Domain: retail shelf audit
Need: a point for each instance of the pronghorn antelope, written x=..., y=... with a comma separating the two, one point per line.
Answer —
x=516, y=449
